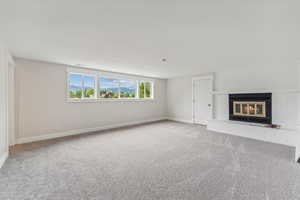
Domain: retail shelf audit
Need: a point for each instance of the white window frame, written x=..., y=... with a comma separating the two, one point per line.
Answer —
x=83, y=73
x=97, y=75
x=68, y=87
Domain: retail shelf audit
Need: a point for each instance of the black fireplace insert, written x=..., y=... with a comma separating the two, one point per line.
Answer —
x=251, y=107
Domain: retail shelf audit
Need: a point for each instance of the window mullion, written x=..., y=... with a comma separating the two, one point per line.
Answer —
x=68, y=85
x=82, y=86
x=119, y=89
x=98, y=87
x=137, y=92
x=95, y=87
x=145, y=90
x=152, y=90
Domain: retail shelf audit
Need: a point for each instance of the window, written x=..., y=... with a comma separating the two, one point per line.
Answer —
x=109, y=88
x=142, y=89
x=81, y=86
x=128, y=88
x=148, y=90
x=145, y=89
x=89, y=87
x=88, y=84
x=75, y=86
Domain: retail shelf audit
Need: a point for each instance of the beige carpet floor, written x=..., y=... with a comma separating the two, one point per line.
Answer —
x=164, y=160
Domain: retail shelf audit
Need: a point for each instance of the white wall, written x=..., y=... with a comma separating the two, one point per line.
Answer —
x=276, y=79
x=179, y=96
x=5, y=59
x=279, y=80
x=42, y=109
x=298, y=70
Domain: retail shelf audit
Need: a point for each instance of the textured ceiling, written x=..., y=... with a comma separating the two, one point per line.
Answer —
x=133, y=36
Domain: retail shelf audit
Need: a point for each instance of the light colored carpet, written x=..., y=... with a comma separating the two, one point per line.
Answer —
x=164, y=160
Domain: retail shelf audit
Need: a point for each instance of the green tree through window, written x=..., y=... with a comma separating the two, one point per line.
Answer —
x=89, y=87
x=145, y=89
x=148, y=89
x=142, y=89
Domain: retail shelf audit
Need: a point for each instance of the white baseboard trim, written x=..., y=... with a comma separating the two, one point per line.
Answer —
x=180, y=120
x=84, y=130
x=3, y=158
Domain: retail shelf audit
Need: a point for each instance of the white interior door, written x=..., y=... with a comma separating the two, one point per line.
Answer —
x=202, y=100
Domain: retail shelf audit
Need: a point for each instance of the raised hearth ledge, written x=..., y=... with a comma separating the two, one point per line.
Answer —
x=283, y=136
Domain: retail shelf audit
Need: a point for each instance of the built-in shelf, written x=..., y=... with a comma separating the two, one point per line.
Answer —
x=255, y=91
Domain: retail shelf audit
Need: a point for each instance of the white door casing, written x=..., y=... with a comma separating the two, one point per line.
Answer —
x=11, y=103
x=5, y=59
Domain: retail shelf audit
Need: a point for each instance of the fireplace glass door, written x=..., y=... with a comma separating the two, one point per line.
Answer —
x=251, y=109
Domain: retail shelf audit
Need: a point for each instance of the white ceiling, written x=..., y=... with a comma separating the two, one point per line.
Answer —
x=133, y=36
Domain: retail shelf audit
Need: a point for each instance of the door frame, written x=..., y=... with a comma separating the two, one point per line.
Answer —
x=11, y=105
x=211, y=79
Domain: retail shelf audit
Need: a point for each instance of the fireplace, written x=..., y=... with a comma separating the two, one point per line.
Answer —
x=251, y=107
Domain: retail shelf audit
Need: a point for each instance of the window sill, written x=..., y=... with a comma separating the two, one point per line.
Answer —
x=106, y=100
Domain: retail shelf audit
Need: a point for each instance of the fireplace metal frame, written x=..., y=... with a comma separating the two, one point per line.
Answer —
x=259, y=97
